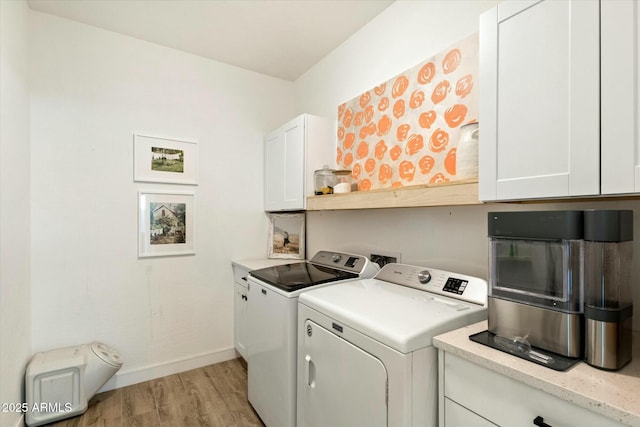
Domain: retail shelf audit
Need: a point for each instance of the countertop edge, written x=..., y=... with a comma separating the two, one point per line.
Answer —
x=558, y=384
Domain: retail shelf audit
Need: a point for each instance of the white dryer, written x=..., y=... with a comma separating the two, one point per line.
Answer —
x=365, y=353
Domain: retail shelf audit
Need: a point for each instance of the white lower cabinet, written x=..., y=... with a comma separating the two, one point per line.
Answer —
x=458, y=415
x=471, y=395
x=240, y=309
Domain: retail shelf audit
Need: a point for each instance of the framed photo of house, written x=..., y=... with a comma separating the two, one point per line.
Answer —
x=164, y=160
x=166, y=223
x=286, y=236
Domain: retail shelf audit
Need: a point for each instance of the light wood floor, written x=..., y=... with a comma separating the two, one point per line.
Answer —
x=215, y=395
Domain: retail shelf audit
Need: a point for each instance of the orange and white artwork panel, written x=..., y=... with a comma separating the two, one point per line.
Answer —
x=405, y=131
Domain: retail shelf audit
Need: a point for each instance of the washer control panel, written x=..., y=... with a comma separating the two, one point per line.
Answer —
x=454, y=285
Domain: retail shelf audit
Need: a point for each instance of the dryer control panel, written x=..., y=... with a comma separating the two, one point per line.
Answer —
x=357, y=264
x=459, y=286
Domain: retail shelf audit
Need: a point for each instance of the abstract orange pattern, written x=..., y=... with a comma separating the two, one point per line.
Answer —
x=405, y=131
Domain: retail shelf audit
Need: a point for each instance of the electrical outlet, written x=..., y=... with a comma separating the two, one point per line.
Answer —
x=382, y=260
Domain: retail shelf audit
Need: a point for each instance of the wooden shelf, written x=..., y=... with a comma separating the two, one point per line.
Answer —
x=448, y=194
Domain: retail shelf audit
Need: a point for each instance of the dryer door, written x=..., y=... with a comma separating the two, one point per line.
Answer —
x=342, y=385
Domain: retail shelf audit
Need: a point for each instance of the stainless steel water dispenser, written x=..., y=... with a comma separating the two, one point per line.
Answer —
x=608, y=306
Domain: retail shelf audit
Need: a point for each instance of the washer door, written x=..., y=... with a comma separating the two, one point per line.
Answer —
x=342, y=385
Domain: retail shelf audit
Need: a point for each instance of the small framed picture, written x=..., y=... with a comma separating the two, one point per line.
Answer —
x=166, y=223
x=286, y=236
x=164, y=160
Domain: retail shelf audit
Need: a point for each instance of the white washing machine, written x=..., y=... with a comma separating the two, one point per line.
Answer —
x=365, y=352
x=272, y=326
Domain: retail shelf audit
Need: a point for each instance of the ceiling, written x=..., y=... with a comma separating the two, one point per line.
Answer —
x=280, y=38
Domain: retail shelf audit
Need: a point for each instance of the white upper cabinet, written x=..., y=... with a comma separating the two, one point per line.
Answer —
x=292, y=153
x=284, y=167
x=540, y=100
x=620, y=144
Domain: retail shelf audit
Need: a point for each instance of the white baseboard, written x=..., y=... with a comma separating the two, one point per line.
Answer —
x=138, y=375
x=7, y=418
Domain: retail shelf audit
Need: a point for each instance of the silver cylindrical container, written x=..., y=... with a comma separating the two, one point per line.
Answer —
x=608, y=304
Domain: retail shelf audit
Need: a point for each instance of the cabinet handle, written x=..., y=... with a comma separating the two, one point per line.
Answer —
x=539, y=421
x=264, y=291
x=244, y=278
x=244, y=297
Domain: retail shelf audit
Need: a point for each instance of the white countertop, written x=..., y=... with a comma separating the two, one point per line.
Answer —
x=613, y=394
x=257, y=263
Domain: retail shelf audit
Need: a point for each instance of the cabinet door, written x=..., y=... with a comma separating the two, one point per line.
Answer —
x=240, y=319
x=539, y=100
x=273, y=170
x=507, y=402
x=459, y=416
x=620, y=143
x=284, y=153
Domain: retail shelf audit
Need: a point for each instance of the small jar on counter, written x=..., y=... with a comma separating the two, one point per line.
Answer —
x=325, y=181
x=343, y=181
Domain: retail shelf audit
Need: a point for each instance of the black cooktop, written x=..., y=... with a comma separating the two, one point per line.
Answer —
x=299, y=275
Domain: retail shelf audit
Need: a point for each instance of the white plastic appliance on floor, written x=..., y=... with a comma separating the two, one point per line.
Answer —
x=60, y=383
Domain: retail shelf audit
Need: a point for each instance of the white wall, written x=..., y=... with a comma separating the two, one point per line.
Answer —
x=91, y=90
x=403, y=35
x=450, y=238
x=15, y=303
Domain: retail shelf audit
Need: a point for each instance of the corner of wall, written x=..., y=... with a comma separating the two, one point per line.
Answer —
x=15, y=286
